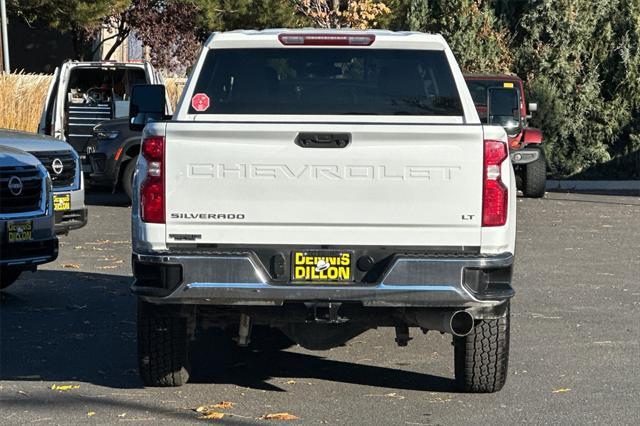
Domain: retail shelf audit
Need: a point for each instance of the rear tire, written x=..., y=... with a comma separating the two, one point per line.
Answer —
x=8, y=276
x=127, y=177
x=162, y=346
x=535, y=177
x=482, y=357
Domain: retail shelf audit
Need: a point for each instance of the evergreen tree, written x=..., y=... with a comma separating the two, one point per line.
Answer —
x=580, y=59
x=478, y=39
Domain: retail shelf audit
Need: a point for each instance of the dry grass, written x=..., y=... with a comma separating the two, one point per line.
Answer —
x=174, y=89
x=22, y=98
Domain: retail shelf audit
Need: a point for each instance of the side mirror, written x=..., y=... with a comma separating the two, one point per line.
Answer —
x=147, y=104
x=533, y=107
x=502, y=103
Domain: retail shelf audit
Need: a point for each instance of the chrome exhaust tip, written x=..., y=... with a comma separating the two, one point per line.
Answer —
x=460, y=323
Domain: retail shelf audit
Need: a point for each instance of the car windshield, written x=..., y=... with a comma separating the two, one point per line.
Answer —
x=504, y=108
x=328, y=81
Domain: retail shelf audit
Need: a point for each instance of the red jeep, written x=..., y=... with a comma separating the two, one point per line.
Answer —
x=505, y=93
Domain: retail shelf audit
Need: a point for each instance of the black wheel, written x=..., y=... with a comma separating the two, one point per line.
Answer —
x=162, y=346
x=127, y=177
x=8, y=276
x=535, y=177
x=482, y=357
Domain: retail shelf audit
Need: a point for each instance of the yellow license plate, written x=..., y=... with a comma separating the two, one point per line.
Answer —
x=321, y=266
x=61, y=202
x=19, y=231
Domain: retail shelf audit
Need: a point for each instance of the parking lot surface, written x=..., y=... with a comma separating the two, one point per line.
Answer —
x=574, y=345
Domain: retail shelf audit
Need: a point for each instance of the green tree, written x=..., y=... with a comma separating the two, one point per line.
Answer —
x=81, y=18
x=479, y=40
x=223, y=15
x=581, y=61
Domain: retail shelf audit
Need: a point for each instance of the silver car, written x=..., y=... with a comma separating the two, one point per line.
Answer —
x=27, y=235
x=63, y=164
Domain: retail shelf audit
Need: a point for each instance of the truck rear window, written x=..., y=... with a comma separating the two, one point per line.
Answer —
x=327, y=82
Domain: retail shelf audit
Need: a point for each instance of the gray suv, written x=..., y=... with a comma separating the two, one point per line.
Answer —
x=27, y=236
x=63, y=164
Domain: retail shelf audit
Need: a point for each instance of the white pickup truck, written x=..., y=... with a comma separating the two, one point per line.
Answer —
x=323, y=183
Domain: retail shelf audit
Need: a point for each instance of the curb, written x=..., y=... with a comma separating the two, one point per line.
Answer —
x=594, y=185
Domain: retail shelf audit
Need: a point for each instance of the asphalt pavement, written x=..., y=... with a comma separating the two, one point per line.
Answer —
x=574, y=347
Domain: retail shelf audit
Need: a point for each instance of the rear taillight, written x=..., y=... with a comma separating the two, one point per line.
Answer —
x=152, y=196
x=327, y=39
x=495, y=196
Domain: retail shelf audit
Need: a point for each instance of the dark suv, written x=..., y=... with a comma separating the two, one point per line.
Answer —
x=112, y=152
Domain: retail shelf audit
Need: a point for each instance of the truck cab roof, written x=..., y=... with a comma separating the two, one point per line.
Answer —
x=500, y=77
x=382, y=38
x=115, y=64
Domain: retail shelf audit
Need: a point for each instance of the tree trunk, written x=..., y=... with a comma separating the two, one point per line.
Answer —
x=334, y=16
x=119, y=40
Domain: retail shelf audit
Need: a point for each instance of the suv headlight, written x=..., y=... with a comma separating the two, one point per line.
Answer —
x=107, y=134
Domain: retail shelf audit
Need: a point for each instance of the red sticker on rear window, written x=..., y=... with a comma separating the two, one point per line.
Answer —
x=200, y=102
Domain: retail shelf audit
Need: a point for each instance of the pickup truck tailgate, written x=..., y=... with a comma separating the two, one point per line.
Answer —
x=392, y=185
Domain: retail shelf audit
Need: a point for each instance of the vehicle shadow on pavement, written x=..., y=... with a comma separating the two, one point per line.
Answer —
x=105, y=197
x=69, y=326
x=254, y=366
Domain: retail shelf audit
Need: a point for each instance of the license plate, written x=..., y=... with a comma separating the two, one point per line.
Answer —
x=61, y=202
x=18, y=231
x=321, y=266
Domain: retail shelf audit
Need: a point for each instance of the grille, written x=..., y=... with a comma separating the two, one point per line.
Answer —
x=67, y=176
x=29, y=198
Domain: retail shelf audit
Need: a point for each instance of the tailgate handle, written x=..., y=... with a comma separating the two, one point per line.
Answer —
x=323, y=140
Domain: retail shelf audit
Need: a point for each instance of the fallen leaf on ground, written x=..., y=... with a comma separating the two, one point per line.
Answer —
x=279, y=416
x=91, y=413
x=388, y=395
x=290, y=382
x=64, y=387
x=561, y=390
x=212, y=415
x=71, y=266
x=225, y=405
x=122, y=414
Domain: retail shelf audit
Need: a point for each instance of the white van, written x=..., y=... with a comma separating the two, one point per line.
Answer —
x=84, y=94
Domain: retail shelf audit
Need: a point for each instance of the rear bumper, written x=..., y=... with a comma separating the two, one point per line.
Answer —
x=241, y=279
